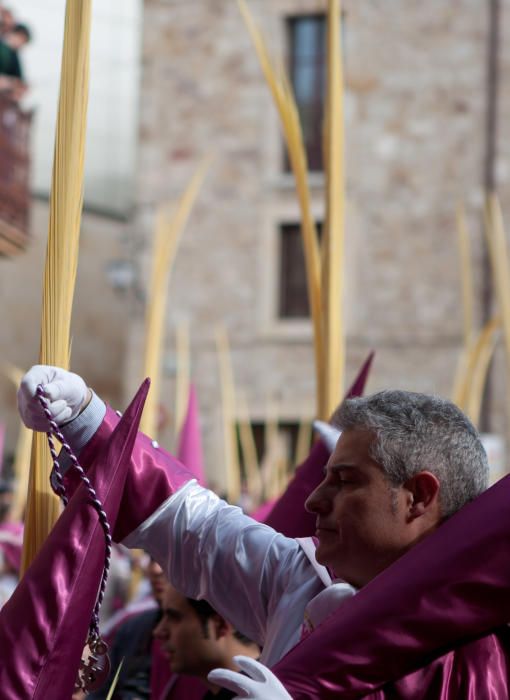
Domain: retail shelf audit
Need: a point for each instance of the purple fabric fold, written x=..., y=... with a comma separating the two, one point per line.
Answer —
x=147, y=484
x=262, y=512
x=44, y=625
x=449, y=590
x=288, y=515
x=160, y=670
x=189, y=451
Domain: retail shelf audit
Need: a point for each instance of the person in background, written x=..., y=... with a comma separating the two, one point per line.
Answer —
x=12, y=82
x=195, y=639
x=7, y=20
x=133, y=642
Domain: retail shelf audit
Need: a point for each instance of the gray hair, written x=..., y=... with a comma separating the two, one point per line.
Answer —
x=417, y=432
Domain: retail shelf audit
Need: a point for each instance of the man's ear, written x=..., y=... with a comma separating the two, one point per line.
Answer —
x=221, y=626
x=423, y=494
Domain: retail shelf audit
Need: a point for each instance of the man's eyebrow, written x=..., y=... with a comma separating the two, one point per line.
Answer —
x=338, y=467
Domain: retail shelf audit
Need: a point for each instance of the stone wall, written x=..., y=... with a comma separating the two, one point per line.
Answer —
x=100, y=315
x=415, y=108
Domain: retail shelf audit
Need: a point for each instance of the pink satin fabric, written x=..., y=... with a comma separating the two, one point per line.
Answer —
x=44, y=625
x=189, y=451
x=473, y=671
x=149, y=482
x=444, y=593
x=262, y=512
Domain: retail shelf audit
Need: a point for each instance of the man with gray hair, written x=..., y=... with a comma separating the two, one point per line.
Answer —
x=403, y=464
x=414, y=430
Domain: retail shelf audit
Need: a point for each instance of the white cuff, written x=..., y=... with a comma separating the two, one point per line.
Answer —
x=80, y=431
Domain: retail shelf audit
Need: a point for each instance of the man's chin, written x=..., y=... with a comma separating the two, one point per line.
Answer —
x=321, y=555
x=172, y=661
x=175, y=667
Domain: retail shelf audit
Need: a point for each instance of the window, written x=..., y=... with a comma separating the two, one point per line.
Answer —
x=307, y=69
x=293, y=291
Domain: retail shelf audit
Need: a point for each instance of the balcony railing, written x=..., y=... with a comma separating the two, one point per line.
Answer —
x=15, y=127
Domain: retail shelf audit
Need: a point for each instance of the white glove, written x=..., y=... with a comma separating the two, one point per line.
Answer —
x=259, y=684
x=66, y=393
x=328, y=433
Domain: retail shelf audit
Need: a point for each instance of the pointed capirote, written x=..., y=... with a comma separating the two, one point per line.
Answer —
x=44, y=625
x=358, y=385
x=328, y=433
x=288, y=515
x=189, y=451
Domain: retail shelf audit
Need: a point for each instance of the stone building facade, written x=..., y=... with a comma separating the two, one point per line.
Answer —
x=416, y=101
x=415, y=106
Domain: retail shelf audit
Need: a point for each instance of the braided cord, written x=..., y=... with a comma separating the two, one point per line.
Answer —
x=57, y=484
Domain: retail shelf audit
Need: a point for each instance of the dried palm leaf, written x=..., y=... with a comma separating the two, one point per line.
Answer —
x=66, y=202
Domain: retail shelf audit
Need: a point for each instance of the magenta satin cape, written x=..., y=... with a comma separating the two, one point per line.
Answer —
x=44, y=625
x=449, y=590
x=160, y=670
x=148, y=482
x=288, y=515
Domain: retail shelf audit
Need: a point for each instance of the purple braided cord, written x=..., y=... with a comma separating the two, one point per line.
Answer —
x=57, y=484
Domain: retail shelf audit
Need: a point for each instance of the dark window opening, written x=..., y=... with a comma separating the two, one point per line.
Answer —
x=293, y=290
x=307, y=71
x=307, y=42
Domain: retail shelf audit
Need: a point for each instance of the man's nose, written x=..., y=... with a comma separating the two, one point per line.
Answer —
x=318, y=501
x=160, y=631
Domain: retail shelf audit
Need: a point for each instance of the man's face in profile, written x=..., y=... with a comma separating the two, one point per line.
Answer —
x=189, y=648
x=361, y=517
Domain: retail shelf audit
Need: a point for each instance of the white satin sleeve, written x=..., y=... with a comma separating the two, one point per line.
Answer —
x=255, y=577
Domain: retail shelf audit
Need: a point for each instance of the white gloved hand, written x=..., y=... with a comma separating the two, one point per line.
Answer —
x=65, y=391
x=259, y=684
x=328, y=433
